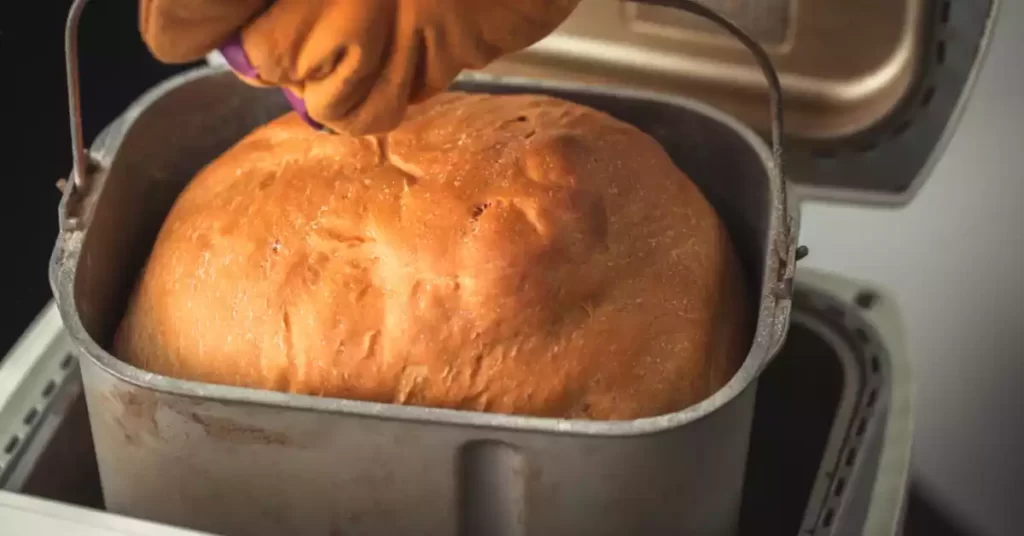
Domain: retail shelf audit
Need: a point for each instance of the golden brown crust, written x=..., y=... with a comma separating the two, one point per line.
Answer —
x=513, y=254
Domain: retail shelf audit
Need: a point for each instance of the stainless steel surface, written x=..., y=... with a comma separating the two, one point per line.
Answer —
x=873, y=89
x=843, y=65
x=770, y=22
x=809, y=469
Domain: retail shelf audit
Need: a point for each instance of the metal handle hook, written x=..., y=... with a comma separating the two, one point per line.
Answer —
x=79, y=155
x=763, y=61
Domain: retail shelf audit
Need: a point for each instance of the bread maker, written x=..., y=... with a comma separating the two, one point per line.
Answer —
x=761, y=103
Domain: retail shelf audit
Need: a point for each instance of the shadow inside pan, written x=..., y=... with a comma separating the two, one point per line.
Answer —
x=797, y=401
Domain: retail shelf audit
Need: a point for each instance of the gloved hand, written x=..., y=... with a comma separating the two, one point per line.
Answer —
x=356, y=64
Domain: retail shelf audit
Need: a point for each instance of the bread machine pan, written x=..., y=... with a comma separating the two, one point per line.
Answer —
x=828, y=453
x=218, y=458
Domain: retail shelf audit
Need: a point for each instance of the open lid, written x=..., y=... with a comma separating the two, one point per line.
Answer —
x=872, y=89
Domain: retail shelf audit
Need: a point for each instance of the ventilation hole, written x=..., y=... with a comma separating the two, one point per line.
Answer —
x=529, y=134
x=851, y=456
x=872, y=398
x=50, y=387
x=866, y=299
x=12, y=444
x=521, y=119
x=927, y=95
x=862, y=335
x=66, y=363
x=901, y=128
x=862, y=426
x=830, y=515
x=30, y=417
x=839, y=487
x=876, y=364
x=944, y=13
x=940, y=52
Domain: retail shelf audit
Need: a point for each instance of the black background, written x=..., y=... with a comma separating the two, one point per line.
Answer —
x=34, y=134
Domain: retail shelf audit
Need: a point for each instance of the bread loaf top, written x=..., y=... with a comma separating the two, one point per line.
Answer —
x=515, y=254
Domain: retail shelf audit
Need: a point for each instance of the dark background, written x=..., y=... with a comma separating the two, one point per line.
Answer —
x=115, y=69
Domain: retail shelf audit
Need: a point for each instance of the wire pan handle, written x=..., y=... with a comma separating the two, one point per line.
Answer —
x=79, y=155
x=81, y=158
x=763, y=61
x=783, y=248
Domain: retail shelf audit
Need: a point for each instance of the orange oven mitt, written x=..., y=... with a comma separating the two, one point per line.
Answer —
x=350, y=65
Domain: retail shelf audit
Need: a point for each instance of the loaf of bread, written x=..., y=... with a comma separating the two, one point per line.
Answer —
x=512, y=254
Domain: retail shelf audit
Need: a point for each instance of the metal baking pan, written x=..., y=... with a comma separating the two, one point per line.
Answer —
x=217, y=458
x=828, y=449
x=873, y=88
x=178, y=452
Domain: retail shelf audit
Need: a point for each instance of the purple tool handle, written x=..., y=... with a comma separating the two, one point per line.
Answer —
x=238, y=60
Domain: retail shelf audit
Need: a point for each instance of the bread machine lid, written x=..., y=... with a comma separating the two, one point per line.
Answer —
x=873, y=89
